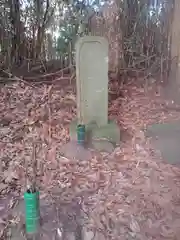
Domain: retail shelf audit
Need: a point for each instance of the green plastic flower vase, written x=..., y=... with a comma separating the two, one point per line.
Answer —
x=81, y=134
x=32, y=212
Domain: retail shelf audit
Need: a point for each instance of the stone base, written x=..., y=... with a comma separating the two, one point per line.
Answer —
x=100, y=138
x=72, y=150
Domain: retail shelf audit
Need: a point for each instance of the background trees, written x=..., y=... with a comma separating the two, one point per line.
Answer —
x=34, y=31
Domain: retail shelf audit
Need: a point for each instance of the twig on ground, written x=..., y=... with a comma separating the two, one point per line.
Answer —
x=48, y=74
x=15, y=78
x=50, y=112
x=34, y=165
x=72, y=76
x=43, y=65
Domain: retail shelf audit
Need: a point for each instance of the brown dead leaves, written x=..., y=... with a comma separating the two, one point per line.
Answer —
x=126, y=194
x=138, y=109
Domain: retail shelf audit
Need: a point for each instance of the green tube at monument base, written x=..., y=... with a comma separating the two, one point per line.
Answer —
x=81, y=134
x=32, y=212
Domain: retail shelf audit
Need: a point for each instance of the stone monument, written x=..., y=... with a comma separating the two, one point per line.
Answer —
x=92, y=94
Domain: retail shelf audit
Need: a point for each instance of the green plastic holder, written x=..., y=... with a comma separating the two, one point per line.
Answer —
x=32, y=212
x=81, y=134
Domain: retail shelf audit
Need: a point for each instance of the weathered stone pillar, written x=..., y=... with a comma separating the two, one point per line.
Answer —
x=173, y=87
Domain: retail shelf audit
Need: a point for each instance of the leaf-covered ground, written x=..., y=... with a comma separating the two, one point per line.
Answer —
x=126, y=194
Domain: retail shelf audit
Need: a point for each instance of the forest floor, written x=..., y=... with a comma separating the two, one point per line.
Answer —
x=127, y=194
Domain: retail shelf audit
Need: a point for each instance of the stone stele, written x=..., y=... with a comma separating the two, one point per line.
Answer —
x=92, y=94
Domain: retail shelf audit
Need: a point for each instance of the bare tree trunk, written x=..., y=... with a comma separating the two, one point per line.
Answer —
x=16, y=25
x=5, y=43
x=41, y=24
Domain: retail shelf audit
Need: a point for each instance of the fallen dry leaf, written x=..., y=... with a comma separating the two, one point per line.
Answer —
x=9, y=175
x=3, y=186
x=134, y=226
